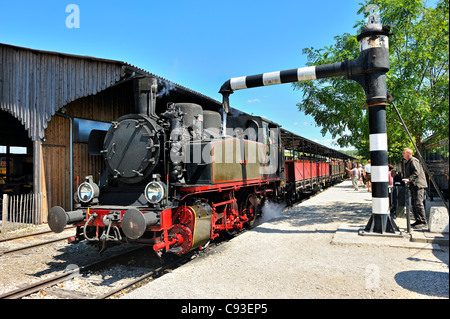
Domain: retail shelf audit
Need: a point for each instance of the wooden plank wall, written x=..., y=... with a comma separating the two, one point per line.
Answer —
x=56, y=161
x=84, y=164
x=105, y=106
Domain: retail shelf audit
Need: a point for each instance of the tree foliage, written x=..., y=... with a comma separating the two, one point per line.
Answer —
x=418, y=79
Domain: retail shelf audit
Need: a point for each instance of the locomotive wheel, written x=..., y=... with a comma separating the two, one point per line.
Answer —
x=250, y=209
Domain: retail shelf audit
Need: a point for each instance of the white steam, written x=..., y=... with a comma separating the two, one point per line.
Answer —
x=270, y=211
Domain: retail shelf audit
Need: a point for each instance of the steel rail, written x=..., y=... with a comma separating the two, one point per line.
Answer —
x=32, y=246
x=33, y=235
x=37, y=286
x=154, y=274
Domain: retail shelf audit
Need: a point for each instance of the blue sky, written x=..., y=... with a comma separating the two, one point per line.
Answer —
x=197, y=43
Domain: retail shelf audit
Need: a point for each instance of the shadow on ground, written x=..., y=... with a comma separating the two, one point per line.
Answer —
x=314, y=215
x=425, y=282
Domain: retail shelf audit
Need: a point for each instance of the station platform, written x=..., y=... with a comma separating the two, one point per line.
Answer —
x=311, y=251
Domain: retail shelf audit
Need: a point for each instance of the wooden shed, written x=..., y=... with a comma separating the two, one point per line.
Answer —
x=49, y=102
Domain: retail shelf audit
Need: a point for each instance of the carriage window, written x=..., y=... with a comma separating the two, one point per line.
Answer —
x=19, y=150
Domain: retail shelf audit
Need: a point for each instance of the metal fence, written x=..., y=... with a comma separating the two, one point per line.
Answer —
x=21, y=211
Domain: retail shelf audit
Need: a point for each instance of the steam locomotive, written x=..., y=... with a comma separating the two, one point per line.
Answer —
x=178, y=178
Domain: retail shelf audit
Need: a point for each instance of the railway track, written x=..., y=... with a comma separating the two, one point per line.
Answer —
x=10, y=251
x=180, y=260
x=40, y=285
x=142, y=280
x=33, y=235
x=54, y=286
x=26, y=247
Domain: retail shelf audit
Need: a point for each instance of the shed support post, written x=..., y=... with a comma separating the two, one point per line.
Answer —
x=39, y=183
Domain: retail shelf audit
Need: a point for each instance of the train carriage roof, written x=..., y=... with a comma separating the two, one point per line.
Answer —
x=292, y=141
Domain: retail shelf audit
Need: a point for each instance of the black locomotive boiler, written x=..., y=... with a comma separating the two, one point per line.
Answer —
x=176, y=179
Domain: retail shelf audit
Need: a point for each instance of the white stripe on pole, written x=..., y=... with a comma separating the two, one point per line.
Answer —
x=378, y=142
x=238, y=83
x=380, y=205
x=379, y=174
x=271, y=78
x=306, y=74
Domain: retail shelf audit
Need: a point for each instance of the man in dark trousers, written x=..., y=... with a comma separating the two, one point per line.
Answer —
x=415, y=175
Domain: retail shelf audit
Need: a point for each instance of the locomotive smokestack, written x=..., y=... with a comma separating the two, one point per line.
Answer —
x=145, y=95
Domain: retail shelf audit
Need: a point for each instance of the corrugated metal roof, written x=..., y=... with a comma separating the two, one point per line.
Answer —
x=34, y=84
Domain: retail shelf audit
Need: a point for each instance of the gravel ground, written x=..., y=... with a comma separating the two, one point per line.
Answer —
x=292, y=255
x=28, y=266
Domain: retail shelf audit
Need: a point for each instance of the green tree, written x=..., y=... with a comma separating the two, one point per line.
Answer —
x=418, y=79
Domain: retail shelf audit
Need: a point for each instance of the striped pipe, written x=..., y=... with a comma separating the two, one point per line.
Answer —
x=287, y=76
x=279, y=77
x=374, y=57
x=379, y=159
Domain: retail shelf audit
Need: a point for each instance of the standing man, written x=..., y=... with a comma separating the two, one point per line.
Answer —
x=355, y=176
x=368, y=176
x=415, y=175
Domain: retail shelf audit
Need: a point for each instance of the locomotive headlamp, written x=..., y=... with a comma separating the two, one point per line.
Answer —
x=87, y=191
x=155, y=191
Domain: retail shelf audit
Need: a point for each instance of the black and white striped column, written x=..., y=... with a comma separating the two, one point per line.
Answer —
x=379, y=159
x=380, y=221
x=374, y=52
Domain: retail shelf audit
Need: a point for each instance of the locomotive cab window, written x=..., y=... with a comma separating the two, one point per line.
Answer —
x=270, y=136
